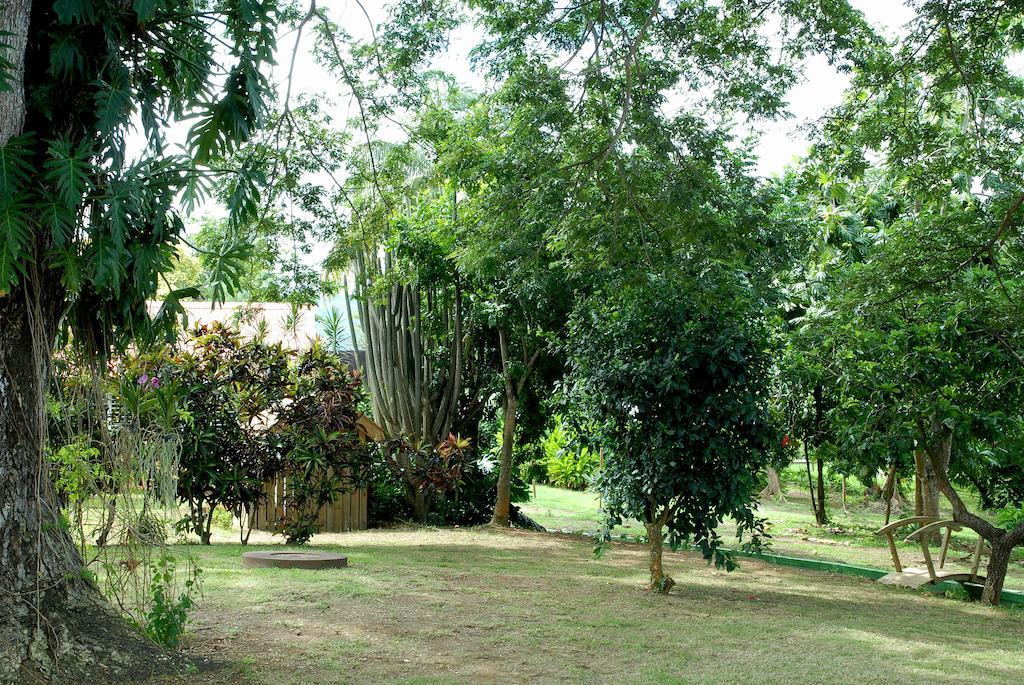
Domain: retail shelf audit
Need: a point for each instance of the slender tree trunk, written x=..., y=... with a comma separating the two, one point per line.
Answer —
x=919, y=459
x=820, y=515
x=930, y=486
x=513, y=391
x=941, y=446
x=420, y=506
x=995, y=575
x=508, y=435
x=890, y=491
x=660, y=582
x=810, y=480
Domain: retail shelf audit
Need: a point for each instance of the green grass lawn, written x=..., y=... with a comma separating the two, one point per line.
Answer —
x=489, y=606
x=848, y=538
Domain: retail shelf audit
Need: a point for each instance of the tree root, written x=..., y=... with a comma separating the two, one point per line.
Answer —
x=65, y=638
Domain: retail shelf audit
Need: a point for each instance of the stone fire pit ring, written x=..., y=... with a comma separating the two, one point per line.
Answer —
x=294, y=559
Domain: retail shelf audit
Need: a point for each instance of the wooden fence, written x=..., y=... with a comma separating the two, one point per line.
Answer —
x=347, y=512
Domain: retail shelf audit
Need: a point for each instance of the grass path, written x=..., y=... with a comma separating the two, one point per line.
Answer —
x=486, y=606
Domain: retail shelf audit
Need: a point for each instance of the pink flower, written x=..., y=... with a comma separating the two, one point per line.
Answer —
x=143, y=379
x=154, y=382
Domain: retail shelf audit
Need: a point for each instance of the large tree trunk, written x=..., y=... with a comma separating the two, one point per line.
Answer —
x=508, y=436
x=54, y=625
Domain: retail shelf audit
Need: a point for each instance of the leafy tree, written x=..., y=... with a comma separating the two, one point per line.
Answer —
x=834, y=223
x=85, y=230
x=926, y=325
x=673, y=376
x=269, y=271
x=520, y=285
x=579, y=171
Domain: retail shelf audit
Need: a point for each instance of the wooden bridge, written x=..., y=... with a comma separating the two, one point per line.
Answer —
x=916, y=576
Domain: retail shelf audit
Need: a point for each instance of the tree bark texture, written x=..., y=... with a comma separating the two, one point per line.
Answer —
x=54, y=624
x=15, y=16
x=660, y=582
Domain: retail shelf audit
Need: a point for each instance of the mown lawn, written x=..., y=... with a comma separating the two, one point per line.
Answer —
x=848, y=538
x=488, y=606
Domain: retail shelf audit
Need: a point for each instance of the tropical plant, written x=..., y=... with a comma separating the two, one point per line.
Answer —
x=168, y=614
x=232, y=389
x=325, y=454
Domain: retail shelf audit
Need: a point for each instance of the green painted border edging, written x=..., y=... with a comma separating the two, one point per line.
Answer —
x=973, y=589
x=818, y=565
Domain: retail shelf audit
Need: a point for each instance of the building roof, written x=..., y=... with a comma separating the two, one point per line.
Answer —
x=246, y=316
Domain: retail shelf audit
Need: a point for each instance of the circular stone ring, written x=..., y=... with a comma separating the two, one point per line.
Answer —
x=288, y=559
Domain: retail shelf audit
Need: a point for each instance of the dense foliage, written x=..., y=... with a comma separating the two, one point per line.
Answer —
x=673, y=377
x=247, y=412
x=904, y=344
x=230, y=390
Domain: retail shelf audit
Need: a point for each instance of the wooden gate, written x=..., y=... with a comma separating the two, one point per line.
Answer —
x=347, y=512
